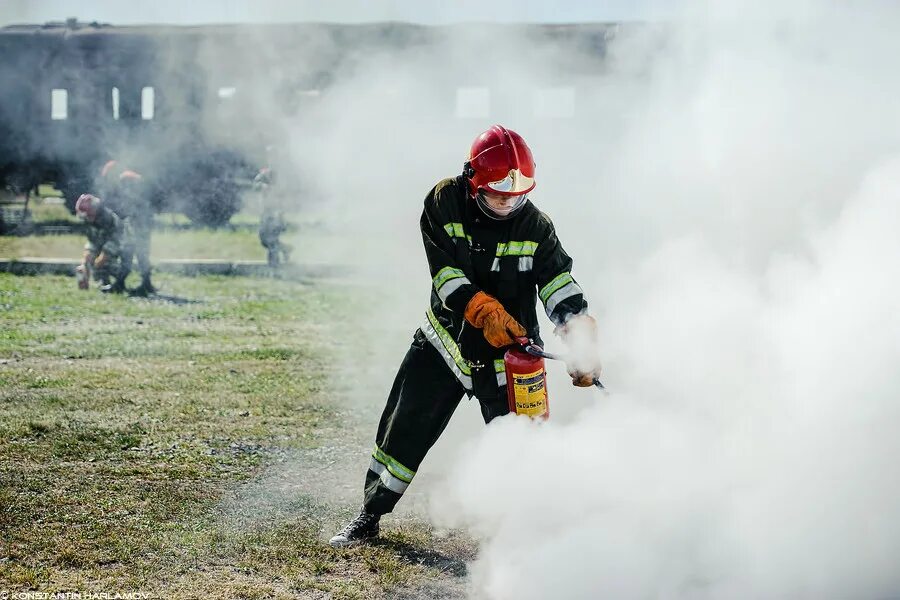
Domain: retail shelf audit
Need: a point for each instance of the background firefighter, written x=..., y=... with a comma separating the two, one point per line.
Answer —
x=492, y=254
x=103, y=251
x=271, y=222
x=124, y=192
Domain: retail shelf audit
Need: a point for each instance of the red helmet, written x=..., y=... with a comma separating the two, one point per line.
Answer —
x=500, y=162
x=112, y=170
x=86, y=206
x=108, y=168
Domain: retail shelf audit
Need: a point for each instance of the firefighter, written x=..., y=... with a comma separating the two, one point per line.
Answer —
x=492, y=254
x=271, y=222
x=125, y=193
x=103, y=251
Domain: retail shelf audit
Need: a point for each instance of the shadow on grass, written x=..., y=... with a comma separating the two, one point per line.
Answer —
x=426, y=557
x=165, y=298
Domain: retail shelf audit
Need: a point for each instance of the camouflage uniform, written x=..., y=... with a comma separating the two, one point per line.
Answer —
x=125, y=194
x=272, y=222
x=105, y=235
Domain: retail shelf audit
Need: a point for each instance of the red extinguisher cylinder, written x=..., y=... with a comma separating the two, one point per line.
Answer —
x=526, y=384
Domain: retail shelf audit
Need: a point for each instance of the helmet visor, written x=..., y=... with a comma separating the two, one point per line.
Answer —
x=500, y=207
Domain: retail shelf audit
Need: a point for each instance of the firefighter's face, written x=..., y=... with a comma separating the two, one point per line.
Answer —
x=502, y=205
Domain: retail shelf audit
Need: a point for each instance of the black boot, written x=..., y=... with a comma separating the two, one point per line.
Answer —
x=362, y=528
x=117, y=287
x=145, y=289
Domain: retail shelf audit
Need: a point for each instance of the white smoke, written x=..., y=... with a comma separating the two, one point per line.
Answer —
x=737, y=236
x=747, y=452
x=727, y=190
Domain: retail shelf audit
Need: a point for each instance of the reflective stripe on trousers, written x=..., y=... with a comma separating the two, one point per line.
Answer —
x=390, y=471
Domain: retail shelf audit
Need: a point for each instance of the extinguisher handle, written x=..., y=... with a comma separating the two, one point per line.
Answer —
x=533, y=349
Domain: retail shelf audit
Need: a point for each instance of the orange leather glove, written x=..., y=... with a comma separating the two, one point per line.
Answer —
x=486, y=313
x=580, y=335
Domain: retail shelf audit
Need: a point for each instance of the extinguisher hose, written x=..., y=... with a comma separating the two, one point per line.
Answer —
x=533, y=349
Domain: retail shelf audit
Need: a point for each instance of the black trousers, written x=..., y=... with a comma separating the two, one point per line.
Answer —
x=422, y=400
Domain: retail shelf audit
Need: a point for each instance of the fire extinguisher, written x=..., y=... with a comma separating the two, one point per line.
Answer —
x=526, y=379
x=526, y=382
x=83, y=276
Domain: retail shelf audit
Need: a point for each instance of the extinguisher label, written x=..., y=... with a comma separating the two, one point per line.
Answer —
x=529, y=393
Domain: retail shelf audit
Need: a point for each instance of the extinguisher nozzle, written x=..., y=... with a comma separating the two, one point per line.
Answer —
x=533, y=349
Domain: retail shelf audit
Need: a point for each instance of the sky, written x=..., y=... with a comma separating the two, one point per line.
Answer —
x=352, y=11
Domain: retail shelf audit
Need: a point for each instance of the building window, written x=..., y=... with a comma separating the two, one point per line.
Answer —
x=115, y=103
x=59, y=104
x=147, y=103
x=226, y=93
x=473, y=103
x=554, y=103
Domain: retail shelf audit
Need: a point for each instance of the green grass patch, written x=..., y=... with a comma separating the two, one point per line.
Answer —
x=127, y=425
x=240, y=244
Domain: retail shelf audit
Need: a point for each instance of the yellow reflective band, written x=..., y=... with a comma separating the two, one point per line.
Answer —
x=558, y=282
x=566, y=291
x=395, y=484
x=516, y=248
x=438, y=338
x=455, y=230
x=393, y=465
x=445, y=275
x=500, y=370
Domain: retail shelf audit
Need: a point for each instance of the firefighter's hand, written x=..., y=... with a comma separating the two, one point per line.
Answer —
x=101, y=260
x=579, y=333
x=87, y=259
x=486, y=313
x=500, y=328
x=584, y=374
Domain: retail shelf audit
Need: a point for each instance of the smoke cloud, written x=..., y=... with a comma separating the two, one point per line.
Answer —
x=728, y=185
x=736, y=234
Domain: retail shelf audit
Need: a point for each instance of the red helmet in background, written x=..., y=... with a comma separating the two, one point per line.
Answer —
x=111, y=167
x=112, y=171
x=500, y=162
x=86, y=206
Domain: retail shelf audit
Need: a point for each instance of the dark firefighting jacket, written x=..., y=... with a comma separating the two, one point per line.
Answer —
x=517, y=261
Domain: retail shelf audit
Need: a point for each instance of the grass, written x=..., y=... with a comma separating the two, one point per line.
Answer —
x=174, y=238
x=203, y=243
x=128, y=429
x=238, y=243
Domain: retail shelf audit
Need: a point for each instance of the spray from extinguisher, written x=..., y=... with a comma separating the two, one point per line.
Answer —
x=526, y=379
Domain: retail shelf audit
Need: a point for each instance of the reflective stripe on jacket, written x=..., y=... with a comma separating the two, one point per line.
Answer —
x=518, y=261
